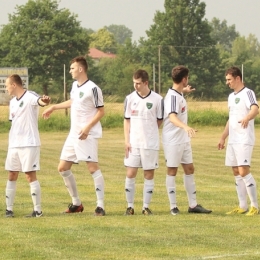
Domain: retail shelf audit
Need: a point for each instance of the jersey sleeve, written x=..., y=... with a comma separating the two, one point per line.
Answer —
x=250, y=99
x=97, y=97
x=127, y=110
x=172, y=105
x=160, y=109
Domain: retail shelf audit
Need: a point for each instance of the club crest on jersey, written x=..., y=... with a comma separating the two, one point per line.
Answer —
x=21, y=104
x=183, y=109
x=237, y=100
x=81, y=94
x=149, y=105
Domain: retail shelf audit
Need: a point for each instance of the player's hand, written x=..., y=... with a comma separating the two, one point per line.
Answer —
x=191, y=132
x=83, y=134
x=244, y=122
x=221, y=144
x=47, y=112
x=128, y=149
x=46, y=99
x=188, y=89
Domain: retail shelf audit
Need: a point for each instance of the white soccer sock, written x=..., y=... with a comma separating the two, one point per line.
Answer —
x=10, y=194
x=130, y=191
x=251, y=189
x=241, y=192
x=171, y=190
x=147, y=192
x=190, y=187
x=71, y=186
x=99, y=187
x=36, y=195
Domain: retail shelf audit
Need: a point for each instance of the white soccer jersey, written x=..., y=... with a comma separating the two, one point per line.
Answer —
x=143, y=113
x=174, y=102
x=85, y=100
x=24, y=116
x=239, y=105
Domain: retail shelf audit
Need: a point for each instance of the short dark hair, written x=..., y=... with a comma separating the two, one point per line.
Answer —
x=179, y=72
x=15, y=78
x=82, y=61
x=141, y=74
x=234, y=72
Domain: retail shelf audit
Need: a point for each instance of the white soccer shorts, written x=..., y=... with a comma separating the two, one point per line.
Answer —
x=23, y=159
x=142, y=158
x=238, y=155
x=178, y=154
x=75, y=150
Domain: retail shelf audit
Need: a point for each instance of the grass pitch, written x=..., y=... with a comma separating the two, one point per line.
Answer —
x=115, y=236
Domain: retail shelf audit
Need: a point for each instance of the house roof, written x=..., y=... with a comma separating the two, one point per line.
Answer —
x=97, y=54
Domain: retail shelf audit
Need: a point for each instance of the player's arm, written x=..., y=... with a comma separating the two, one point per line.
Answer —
x=221, y=144
x=177, y=122
x=254, y=111
x=83, y=134
x=188, y=89
x=46, y=113
x=159, y=122
x=127, y=136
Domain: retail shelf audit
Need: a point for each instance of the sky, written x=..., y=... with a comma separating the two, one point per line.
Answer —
x=138, y=15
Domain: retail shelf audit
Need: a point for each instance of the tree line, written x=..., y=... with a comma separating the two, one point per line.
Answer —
x=43, y=38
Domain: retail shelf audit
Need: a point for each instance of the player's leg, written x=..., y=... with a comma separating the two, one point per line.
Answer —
x=150, y=162
x=132, y=163
x=13, y=166
x=67, y=158
x=189, y=181
x=99, y=183
x=173, y=155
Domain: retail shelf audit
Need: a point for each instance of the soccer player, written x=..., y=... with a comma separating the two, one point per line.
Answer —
x=24, y=142
x=176, y=136
x=143, y=114
x=243, y=109
x=87, y=108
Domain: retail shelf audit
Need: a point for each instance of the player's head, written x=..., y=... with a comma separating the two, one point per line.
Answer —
x=12, y=83
x=180, y=73
x=141, y=74
x=78, y=67
x=140, y=80
x=234, y=72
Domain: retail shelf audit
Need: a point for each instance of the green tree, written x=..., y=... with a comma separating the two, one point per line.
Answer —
x=103, y=40
x=43, y=38
x=120, y=32
x=223, y=34
x=181, y=35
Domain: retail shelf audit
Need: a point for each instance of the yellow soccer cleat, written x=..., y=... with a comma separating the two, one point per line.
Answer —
x=237, y=210
x=253, y=211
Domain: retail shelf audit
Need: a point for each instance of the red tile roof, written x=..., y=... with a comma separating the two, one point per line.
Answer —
x=97, y=54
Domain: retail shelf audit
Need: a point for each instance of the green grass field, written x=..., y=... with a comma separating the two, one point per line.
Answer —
x=115, y=236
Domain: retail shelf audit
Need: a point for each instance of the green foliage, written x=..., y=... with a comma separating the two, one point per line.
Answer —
x=223, y=34
x=120, y=32
x=181, y=35
x=103, y=40
x=43, y=38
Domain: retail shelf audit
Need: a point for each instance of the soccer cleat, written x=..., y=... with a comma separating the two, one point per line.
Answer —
x=9, y=213
x=237, y=210
x=253, y=211
x=74, y=208
x=147, y=211
x=129, y=211
x=175, y=211
x=34, y=214
x=199, y=209
x=99, y=212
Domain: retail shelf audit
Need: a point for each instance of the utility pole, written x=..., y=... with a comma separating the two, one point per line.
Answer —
x=159, y=69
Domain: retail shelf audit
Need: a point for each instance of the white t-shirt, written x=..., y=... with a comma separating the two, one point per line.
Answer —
x=174, y=102
x=239, y=105
x=24, y=116
x=85, y=100
x=143, y=113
